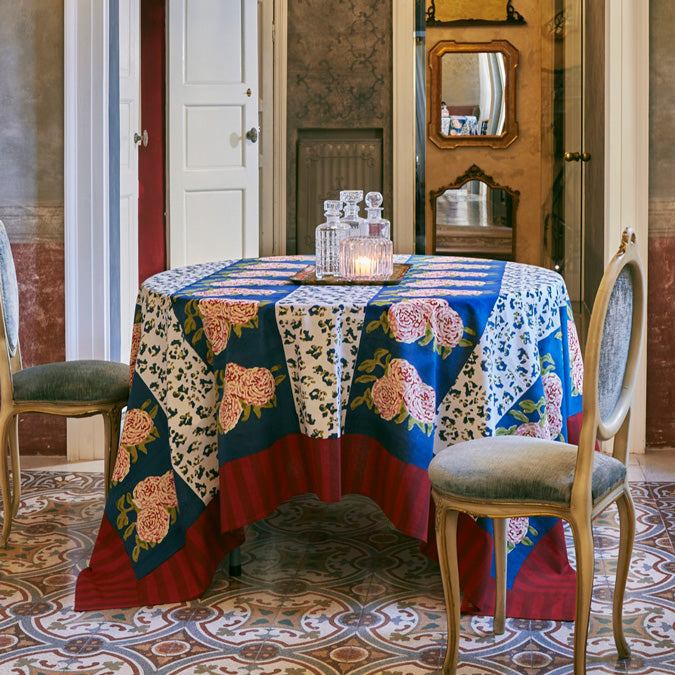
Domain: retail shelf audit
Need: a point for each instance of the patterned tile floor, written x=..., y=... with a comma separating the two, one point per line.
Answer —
x=326, y=588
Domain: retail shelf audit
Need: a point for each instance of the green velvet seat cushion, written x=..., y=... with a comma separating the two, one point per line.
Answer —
x=78, y=381
x=516, y=468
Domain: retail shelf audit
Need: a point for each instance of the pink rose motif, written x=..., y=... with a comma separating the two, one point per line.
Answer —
x=257, y=386
x=420, y=400
x=554, y=421
x=166, y=490
x=387, y=396
x=516, y=529
x=234, y=378
x=214, y=319
x=403, y=371
x=137, y=427
x=147, y=492
x=135, y=345
x=408, y=320
x=532, y=430
x=553, y=390
x=152, y=524
x=576, y=360
x=447, y=326
x=122, y=464
x=240, y=311
x=229, y=413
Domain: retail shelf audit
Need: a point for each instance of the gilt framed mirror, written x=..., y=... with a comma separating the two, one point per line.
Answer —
x=475, y=216
x=473, y=94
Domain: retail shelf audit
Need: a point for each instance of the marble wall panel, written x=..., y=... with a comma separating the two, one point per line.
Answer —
x=661, y=282
x=31, y=188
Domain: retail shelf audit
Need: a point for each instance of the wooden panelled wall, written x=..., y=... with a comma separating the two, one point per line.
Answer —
x=521, y=166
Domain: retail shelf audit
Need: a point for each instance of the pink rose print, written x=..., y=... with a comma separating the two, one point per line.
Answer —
x=137, y=427
x=447, y=326
x=554, y=393
x=552, y=389
x=532, y=430
x=576, y=360
x=420, y=400
x=135, y=344
x=146, y=492
x=408, y=320
x=240, y=311
x=516, y=530
x=257, y=385
x=229, y=413
x=403, y=371
x=152, y=524
x=122, y=464
x=216, y=327
x=234, y=377
x=554, y=421
x=387, y=396
x=166, y=490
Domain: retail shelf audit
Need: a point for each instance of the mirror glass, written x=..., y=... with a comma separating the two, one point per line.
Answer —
x=473, y=94
x=473, y=88
x=475, y=217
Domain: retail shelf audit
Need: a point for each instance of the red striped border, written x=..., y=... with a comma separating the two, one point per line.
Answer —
x=329, y=468
x=110, y=583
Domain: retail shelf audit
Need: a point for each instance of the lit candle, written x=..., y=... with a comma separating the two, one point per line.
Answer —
x=363, y=267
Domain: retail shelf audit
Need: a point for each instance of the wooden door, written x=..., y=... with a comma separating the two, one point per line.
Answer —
x=213, y=128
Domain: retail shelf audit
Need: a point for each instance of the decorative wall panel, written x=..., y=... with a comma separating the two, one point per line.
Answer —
x=328, y=163
x=339, y=78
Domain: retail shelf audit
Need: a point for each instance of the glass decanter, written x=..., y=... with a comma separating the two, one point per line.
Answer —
x=370, y=256
x=351, y=200
x=328, y=236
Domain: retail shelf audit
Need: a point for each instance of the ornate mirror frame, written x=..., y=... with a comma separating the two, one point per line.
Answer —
x=474, y=172
x=510, y=132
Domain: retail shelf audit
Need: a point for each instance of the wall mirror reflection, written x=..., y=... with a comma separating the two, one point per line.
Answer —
x=474, y=216
x=473, y=98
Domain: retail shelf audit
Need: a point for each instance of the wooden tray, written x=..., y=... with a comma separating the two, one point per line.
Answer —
x=307, y=276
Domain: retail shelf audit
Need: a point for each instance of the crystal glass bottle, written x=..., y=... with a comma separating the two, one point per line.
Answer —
x=328, y=236
x=376, y=225
x=351, y=200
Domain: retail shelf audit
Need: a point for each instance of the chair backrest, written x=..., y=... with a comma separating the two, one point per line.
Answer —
x=615, y=337
x=9, y=307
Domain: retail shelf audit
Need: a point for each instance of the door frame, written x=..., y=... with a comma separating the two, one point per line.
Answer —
x=87, y=182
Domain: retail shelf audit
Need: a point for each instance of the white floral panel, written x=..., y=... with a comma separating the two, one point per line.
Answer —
x=505, y=363
x=174, y=280
x=186, y=392
x=320, y=327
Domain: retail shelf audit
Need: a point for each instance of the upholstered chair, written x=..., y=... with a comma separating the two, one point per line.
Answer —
x=68, y=388
x=509, y=476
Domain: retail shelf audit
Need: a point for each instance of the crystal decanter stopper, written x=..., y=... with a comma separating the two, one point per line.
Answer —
x=351, y=200
x=328, y=236
x=376, y=225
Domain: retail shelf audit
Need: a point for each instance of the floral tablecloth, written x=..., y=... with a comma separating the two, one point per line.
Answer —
x=248, y=389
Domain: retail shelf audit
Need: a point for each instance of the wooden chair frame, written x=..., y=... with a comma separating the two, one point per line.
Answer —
x=581, y=511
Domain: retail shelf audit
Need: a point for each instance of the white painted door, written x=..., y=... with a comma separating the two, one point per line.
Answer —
x=212, y=106
x=130, y=74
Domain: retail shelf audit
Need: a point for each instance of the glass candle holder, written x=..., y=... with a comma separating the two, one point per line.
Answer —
x=366, y=258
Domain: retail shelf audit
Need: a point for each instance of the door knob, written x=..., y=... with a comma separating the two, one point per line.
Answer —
x=252, y=134
x=585, y=156
x=572, y=156
x=138, y=138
